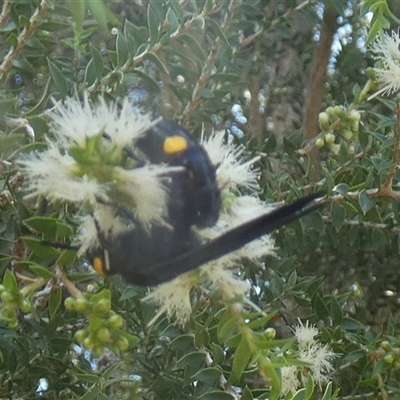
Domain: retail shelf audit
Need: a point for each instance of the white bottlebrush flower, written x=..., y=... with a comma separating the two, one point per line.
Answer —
x=74, y=122
x=52, y=173
x=84, y=161
x=318, y=356
x=173, y=298
x=386, y=49
x=305, y=334
x=290, y=380
x=232, y=171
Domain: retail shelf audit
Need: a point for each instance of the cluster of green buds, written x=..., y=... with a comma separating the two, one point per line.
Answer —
x=105, y=328
x=392, y=354
x=337, y=121
x=13, y=300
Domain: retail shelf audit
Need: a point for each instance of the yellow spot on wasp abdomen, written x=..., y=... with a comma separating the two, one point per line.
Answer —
x=98, y=266
x=174, y=144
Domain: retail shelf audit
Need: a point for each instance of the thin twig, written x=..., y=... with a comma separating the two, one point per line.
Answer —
x=210, y=62
x=249, y=39
x=5, y=12
x=26, y=33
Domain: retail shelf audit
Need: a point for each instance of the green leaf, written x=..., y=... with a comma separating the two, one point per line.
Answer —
x=139, y=34
x=218, y=353
x=215, y=395
x=172, y=20
x=379, y=367
x=207, y=94
x=39, y=249
x=351, y=324
x=192, y=44
x=289, y=146
x=201, y=336
x=58, y=79
x=194, y=359
x=122, y=50
x=102, y=13
x=315, y=221
x=226, y=328
x=217, y=29
x=157, y=61
x=320, y=306
x=365, y=203
x=342, y=188
x=103, y=294
x=90, y=73
x=329, y=180
x=10, y=282
x=246, y=394
x=178, y=10
x=336, y=311
x=309, y=387
x=41, y=271
x=183, y=343
x=271, y=143
x=152, y=25
x=97, y=60
x=77, y=9
x=274, y=379
x=338, y=216
x=54, y=302
x=209, y=376
x=240, y=360
x=379, y=239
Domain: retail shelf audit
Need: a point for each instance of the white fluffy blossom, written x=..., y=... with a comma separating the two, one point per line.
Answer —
x=83, y=162
x=319, y=358
x=386, y=49
x=232, y=170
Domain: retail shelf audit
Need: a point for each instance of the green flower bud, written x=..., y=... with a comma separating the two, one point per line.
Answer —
x=115, y=322
x=323, y=120
x=270, y=333
x=122, y=344
x=69, y=304
x=98, y=351
x=371, y=73
x=330, y=138
x=339, y=111
x=25, y=306
x=80, y=335
x=13, y=323
x=320, y=142
x=386, y=345
x=354, y=115
x=331, y=113
x=7, y=297
x=347, y=134
x=81, y=305
x=103, y=334
x=102, y=306
x=389, y=358
x=88, y=343
x=334, y=148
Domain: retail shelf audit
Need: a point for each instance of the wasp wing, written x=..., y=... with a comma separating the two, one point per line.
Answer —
x=226, y=243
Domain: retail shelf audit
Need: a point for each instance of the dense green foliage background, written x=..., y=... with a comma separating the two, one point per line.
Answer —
x=192, y=61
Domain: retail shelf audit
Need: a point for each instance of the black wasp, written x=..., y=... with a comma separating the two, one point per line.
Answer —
x=152, y=257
